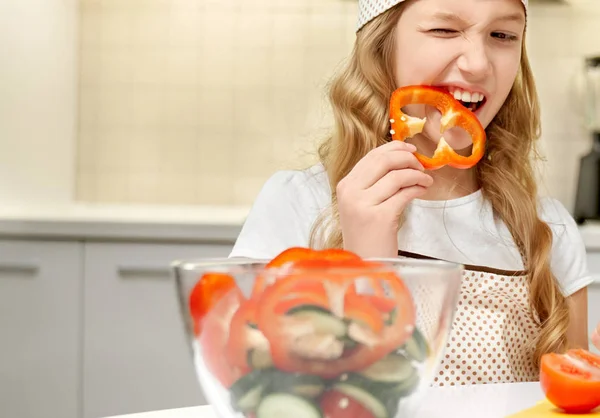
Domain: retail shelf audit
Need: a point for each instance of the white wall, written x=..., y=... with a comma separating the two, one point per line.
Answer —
x=199, y=101
x=38, y=92
x=560, y=36
x=161, y=117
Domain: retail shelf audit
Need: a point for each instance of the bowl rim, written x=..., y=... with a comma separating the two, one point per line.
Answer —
x=247, y=264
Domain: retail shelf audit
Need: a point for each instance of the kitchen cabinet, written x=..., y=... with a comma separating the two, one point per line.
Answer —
x=40, y=322
x=91, y=328
x=136, y=357
x=594, y=294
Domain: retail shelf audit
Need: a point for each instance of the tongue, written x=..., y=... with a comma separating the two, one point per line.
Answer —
x=469, y=105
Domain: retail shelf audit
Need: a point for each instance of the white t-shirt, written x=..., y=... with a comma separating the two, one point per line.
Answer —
x=462, y=230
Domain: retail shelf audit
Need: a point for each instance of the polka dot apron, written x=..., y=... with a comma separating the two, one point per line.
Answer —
x=494, y=330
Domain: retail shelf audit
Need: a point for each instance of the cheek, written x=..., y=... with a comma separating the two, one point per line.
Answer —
x=507, y=70
x=416, y=65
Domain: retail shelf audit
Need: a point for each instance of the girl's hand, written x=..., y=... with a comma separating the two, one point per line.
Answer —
x=373, y=195
x=596, y=337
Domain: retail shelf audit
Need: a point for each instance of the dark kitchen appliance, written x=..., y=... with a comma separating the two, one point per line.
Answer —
x=587, y=201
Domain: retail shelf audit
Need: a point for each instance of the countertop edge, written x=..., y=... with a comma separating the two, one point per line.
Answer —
x=224, y=227
x=188, y=232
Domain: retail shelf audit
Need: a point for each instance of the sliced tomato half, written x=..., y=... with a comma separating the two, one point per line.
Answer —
x=571, y=381
x=209, y=289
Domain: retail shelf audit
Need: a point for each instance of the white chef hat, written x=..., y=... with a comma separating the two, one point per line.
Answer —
x=370, y=9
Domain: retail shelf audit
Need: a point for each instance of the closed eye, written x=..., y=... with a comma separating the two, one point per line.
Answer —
x=443, y=31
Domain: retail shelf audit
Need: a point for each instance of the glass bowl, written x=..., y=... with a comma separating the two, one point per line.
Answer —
x=317, y=341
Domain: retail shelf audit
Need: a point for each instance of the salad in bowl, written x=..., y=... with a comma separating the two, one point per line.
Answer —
x=316, y=333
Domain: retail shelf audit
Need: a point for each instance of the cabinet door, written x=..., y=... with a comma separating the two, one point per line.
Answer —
x=136, y=354
x=594, y=294
x=40, y=291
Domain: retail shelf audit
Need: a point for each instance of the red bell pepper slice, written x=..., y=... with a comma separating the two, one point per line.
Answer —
x=355, y=308
x=391, y=337
x=454, y=114
x=244, y=322
x=295, y=254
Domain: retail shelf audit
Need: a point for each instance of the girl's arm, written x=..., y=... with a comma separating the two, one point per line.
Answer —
x=578, y=328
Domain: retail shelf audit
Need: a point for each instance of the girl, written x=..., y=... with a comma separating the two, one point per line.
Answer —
x=524, y=290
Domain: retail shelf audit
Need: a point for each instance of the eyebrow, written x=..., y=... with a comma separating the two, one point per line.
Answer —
x=453, y=17
x=516, y=17
x=447, y=17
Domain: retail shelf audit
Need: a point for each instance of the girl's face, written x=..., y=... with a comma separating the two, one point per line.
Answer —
x=472, y=48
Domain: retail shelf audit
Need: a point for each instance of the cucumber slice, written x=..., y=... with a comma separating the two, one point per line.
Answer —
x=259, y=359
x=406, y=387
x=349, y=343
x=277, y=405
x=305, y=385
x=370, y=401
x=387, y=394
x=324, y=321
x=395, y=368
x=416, y=348
x=247, y=391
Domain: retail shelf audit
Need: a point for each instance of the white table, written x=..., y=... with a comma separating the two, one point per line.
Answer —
x=476, y=401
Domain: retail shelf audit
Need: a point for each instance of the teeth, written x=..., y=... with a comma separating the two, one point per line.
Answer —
x=466, y=96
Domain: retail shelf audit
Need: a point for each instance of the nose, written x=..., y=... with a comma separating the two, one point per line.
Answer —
x=474, y=59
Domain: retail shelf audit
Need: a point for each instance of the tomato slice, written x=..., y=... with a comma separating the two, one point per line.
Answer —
x=571, y=381
x=335, y=404
x=214, y=336
x=206, y=293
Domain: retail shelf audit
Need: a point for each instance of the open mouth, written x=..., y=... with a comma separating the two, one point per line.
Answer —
x=472, y=100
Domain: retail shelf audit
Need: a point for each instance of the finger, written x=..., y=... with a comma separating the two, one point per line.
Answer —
x=395, y=145
x=398, y=202
x=374, y=166
x=394, y=181
x=596, y=338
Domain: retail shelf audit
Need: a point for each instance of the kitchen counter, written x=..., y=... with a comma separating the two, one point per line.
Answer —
x=124, y=222
x=148, y=222
x=475, y=401
x=591, y=235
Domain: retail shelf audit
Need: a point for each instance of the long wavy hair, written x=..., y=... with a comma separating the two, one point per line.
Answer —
x=359, y=96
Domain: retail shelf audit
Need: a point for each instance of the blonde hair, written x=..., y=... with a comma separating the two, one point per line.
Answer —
x=360, y=100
